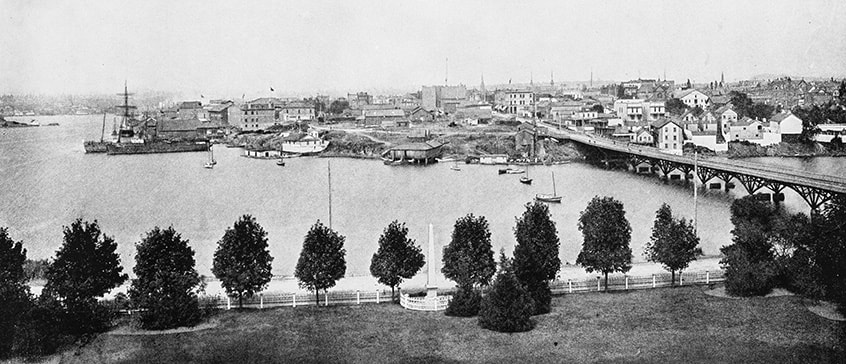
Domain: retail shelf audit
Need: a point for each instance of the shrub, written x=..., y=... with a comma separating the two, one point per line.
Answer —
x=465, y=303
x=507, y=307
x=745, y=277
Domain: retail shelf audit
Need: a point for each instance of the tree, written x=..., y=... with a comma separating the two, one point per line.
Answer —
x=842, y=93
x=674, y=244
x=14, y=293
x=166, y=281
x=338, y=106
x=322, y=261
x=86, y=267
x=675, y=106
x=748, y=261
x=468, y=258
x=242, y=261
x=760, y=111
x=741, y=102
x=607, y=234
x=507, y=307
x=830, y=250
x=536, y=259
x=398, y=257
x=598, y=108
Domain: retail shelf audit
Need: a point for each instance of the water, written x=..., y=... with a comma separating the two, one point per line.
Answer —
x=48, y=181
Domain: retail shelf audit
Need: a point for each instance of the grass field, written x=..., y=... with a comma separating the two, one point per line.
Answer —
x=666, y=325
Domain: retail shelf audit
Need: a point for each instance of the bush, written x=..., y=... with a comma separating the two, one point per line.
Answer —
x=39, y=330
x=747, y=278
x=798, y=273
x=465, y=303
x=508, y=307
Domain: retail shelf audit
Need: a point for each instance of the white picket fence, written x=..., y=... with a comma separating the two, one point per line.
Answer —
x=558, y=287
x=438, y=303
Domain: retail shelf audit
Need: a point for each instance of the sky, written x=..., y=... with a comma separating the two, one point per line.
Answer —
x=235, y=48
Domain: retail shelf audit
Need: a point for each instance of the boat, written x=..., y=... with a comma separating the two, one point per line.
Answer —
x=93, y=146
x=510, y=170
x=455, y=167
x=280, y=162
x=210, y=164
x=303, y=143
x=544, y=197
x=53, y=124
x=290, y=155
x=525, y=179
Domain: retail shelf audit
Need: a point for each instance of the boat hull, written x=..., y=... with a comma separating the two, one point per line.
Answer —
x=304, y=150
x=95, y=147
x=155, y=147
x=548, y=198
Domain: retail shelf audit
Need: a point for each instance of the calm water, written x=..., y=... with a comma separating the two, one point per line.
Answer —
x=48, y=181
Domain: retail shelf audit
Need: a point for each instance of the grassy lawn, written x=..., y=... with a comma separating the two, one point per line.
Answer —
x=668, y=325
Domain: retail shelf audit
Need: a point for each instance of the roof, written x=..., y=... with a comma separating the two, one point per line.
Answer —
x=179, y=125
x=781, y=116
x=190, y=105
x=384, y=113
x=432, y=144
x=660, y=123
x=725, y=108
x=219, y=108
x=746, y=121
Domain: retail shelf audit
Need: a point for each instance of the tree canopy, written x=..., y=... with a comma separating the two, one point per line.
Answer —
x=242, y=261
x=468, y=258
x=507, y=307
x=675, y=106
x=14, y=293
x=606, y=233
x=673, y=243
x=536, y=259
x=398, y=257
x=338, y=106
x=322, y=261
x=166, y=281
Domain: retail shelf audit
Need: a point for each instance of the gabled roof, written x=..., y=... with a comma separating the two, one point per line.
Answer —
x=725, y=108
x=745, y=121
x=660, y=123
x=783, y=115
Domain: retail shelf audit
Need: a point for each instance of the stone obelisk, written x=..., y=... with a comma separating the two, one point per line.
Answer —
x=431, y=278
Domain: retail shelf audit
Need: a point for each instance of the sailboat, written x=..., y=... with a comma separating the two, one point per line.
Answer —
x=525, y=179
x=210, y=164
x=543, y=197
x=92, y=146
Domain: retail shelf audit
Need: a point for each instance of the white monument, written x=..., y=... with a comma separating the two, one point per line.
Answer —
x=431, y=278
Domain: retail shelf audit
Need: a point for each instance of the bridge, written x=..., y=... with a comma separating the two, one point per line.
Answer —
x=815, y=189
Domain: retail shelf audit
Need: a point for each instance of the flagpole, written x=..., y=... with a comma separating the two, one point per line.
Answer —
x=695, y=190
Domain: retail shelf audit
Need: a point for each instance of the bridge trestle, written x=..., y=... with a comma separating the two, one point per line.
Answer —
x=815, y=197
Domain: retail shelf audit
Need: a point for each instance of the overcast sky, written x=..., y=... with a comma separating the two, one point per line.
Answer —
x=222, y=49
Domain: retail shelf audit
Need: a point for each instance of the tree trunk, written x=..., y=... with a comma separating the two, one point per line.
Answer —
x=672, y=278
x=606, y=281
x=316, y=297
x=393, y=297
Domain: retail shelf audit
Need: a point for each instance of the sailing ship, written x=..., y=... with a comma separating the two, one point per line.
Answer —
x=544, y=197
x=93, y=146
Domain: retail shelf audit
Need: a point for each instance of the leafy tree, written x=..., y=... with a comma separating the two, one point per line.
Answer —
x=749, y=259
x=675, y=106
x=746, y=276
x=508, y=307
x=468, y=258
x=760, y=111
x=842, y=93
x=465, y=303
x=14, y=293
x=741, y=102
x=36, y=269
x=322, y=261
x=166, y=281
x=86, y=267
x=607, y=234
x=674, y=244
x=338, y=106
x=830, y=250
x=242, y=261
x=598, y=108
x=398, y=257
x=536, y=259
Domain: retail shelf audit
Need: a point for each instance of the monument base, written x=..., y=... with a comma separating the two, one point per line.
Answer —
x=431, y=291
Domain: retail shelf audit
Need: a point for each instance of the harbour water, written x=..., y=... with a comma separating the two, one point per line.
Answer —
x=48, y=181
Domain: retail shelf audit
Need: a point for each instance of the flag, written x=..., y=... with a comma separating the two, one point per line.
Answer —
x=242, y=96
x=271, y=89
x=201, y=96
x=509, y=81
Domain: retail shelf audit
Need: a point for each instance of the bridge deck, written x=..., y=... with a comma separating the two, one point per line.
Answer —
x=773, y=173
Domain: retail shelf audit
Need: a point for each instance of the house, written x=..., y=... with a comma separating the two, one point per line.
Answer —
x=445, y=98
x=493, y=159
x=637, y=110
x=644, y=136
x=788, y=125
x=693, y=98
x=386, y=117
x=474, y=113
x=419, y=114
x=525, y=137
x=670, y=136
x=419, y=152
x=222, y=113
x=519, y=102
x=746, y=129
x=726, y=116
x=707, y=139
x=294, y=111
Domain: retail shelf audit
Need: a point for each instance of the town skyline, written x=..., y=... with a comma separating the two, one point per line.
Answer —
x=227, y=50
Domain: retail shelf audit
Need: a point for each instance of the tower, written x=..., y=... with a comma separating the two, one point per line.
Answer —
x=482, y=89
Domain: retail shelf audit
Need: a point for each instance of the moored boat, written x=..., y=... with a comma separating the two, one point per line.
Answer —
x=545, y=197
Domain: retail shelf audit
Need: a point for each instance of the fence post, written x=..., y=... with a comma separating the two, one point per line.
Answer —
x=228, y=303
x=261, y=300
x=377, y=296
x=597, y=284
x=570, y=285
x=653, y=280
x=627, y=283
x=295, y=300
x=681, y=280
x=357, y=297
x=707, y=277
x=326, y=298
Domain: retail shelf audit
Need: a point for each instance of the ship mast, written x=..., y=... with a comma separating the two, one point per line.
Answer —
x=126, y=109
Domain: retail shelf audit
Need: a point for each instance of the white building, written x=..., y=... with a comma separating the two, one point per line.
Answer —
x=670, y=137
x=693, y=98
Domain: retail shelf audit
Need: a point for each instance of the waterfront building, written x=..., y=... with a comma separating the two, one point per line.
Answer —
x=644, y=136
x=670, y=136
x=829, y=131
x=493, y=159
x=224, y=112
x=294, y=111
x=788, y=125
x=187, y=129
x=707, y=139
x=386, y=117
x=417, y=152
x=745, y=129
x=443, y=98
x=258, y=114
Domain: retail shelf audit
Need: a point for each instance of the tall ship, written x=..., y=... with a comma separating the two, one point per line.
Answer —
x=139, y=134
